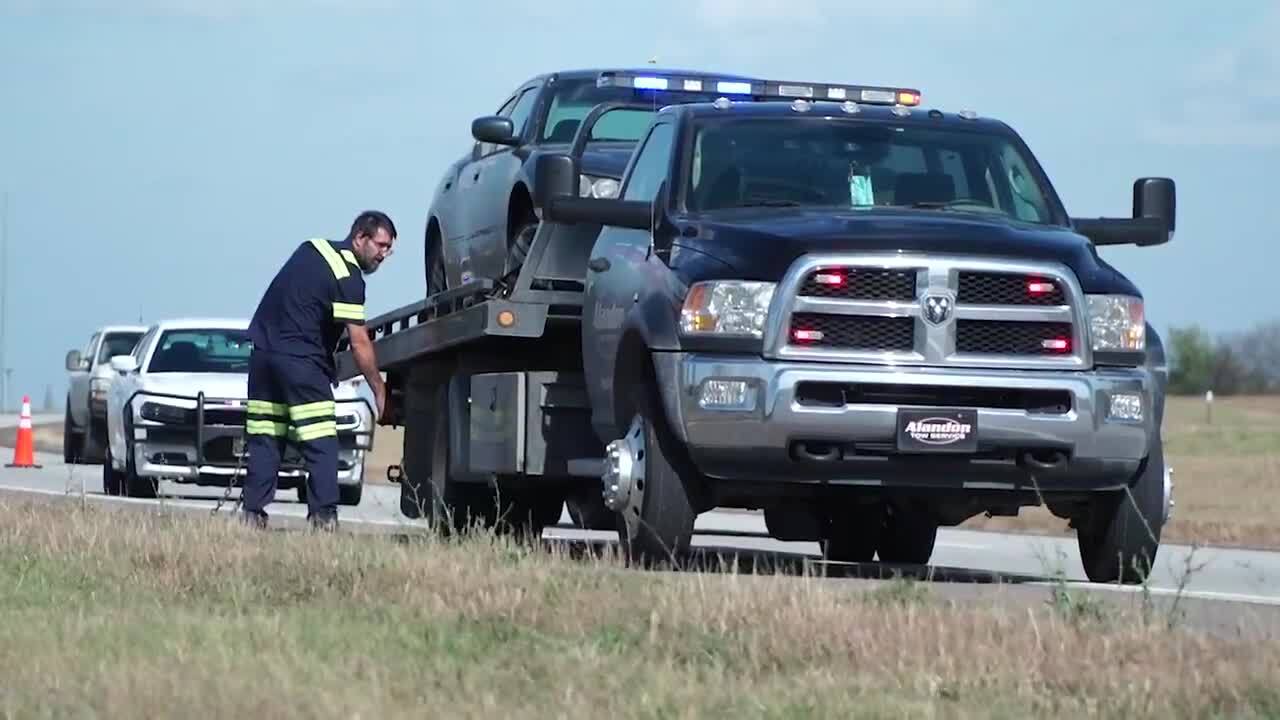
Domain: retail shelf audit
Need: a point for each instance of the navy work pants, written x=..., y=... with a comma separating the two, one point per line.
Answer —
x=290, y=400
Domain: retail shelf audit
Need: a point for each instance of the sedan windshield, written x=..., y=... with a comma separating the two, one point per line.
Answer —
x=860, y=165
x=202, y=351
x=573, y=99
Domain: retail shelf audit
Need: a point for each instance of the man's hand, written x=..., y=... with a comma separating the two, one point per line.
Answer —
x=362, y=351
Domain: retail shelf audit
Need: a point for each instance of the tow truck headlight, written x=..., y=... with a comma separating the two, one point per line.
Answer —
x=1117, y=323
x=597, y=187
x=726, y=308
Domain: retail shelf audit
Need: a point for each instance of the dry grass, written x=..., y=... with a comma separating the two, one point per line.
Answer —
x=1226, y=475
x=121, y=614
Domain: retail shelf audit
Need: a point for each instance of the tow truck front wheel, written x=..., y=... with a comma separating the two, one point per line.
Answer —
x=643, y=486
x=1119, y=539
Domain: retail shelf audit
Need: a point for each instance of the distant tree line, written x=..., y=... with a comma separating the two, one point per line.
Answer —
x=1242, y=363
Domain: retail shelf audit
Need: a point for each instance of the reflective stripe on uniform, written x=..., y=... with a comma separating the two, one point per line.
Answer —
x=315, y=431
x=349, y=257
x=310, y=411
x=266, y=427
x=348, y=311
x=332, y=257
x=270, y=409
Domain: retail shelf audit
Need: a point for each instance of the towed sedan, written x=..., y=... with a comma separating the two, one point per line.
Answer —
x=177, y=409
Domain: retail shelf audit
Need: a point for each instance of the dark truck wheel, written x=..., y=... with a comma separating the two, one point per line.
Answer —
x=454, y=506
x=908, y=536
x=1119, y=539
x=70, y=440
x=852, y=533
x=644, y=486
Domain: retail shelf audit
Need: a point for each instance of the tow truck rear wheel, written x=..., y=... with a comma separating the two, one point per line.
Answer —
x=454, y=506
x=1119, y=539
x=644, y=486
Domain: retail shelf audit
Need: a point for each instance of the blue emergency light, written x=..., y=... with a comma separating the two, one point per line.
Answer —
x=686, y=82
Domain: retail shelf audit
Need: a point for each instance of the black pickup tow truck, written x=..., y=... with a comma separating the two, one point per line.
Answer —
x=866, y=318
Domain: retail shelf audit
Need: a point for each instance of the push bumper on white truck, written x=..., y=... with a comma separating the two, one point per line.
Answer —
x=201, y=441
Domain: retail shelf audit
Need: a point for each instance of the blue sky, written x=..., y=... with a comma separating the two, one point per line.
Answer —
x=174, y=151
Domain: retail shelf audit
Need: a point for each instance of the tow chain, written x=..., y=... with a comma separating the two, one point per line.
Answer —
x=226, y=495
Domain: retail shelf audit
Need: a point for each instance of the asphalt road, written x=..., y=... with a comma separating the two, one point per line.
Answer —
x=971, y=557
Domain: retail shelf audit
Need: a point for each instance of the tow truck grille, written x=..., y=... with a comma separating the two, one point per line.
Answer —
x=861, y=284
x=988, y=288
x=990, y=337
x=853, y=332
x=930, y=310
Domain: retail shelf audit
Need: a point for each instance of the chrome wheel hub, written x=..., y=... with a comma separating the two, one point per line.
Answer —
x=623, y=479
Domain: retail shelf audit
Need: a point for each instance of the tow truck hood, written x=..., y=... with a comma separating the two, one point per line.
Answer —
x=761, y=243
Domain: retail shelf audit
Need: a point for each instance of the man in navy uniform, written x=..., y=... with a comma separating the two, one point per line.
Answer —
x=318, y=293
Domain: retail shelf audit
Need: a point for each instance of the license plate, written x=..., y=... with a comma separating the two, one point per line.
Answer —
x=941, y=430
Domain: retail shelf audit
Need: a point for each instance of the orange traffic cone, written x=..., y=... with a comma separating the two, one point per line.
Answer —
x=24, y=450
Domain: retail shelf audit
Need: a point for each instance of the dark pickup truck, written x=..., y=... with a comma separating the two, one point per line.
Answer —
x=867, y=318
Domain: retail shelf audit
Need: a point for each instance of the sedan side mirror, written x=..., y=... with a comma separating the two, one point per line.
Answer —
x=75, y=361
x=124, y=364
x=494, y=129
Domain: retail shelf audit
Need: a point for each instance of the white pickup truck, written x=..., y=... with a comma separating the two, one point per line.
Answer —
x=84, y=433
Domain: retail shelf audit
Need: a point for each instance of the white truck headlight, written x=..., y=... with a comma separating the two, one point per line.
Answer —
x=726, y=308
x=597, y=187
x=1117, y=323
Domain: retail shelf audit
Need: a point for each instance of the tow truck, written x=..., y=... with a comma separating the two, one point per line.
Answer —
x=865, y=318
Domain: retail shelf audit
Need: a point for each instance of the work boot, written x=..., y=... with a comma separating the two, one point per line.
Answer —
x=323, y=523
x=255, y=520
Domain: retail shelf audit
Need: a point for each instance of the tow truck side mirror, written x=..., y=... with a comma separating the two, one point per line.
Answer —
x=556, y=192
x=1154, y=217
x=494, y=129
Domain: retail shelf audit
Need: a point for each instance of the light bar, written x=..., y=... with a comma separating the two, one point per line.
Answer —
x=677, y=82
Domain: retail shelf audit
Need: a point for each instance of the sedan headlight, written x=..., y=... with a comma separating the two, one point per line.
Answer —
x=1117, y=323
x=597, y=187
x=726, y=308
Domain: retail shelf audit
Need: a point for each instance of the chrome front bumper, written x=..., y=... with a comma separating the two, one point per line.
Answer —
x=772, y=435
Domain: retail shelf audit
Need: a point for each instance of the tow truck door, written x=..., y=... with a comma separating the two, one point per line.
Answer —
x=620, y=269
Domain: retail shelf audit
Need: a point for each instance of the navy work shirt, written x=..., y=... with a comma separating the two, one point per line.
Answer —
x=317, y=291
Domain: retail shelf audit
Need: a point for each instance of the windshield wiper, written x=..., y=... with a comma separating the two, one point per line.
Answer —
x=947, y=204
x=769, y=203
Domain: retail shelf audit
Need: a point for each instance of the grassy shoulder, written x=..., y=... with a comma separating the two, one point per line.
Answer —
x=1226, y=475
x=126, y=614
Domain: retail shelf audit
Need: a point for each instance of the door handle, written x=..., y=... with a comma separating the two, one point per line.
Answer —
x=598, y=264
x=476, y=177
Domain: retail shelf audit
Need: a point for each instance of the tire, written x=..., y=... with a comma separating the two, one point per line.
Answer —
x=70, y=440
x=91, y=450
x=854, y=534
x=436, y=280
x=655, y=524
x=588, y=512
x=908, y=537
x=455, y=506
x=1119, y=540
x=134, y=485
x=518, y=246
x=112, y=479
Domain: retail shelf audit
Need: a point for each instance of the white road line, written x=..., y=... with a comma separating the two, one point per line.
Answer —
x=1171, y=592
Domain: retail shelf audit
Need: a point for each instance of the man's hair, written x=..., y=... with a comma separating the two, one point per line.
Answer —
x=368, y=222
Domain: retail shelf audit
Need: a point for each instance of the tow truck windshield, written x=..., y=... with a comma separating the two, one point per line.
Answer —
x=745, y=162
